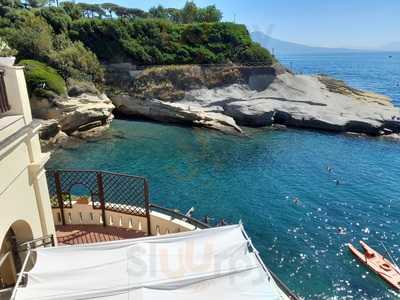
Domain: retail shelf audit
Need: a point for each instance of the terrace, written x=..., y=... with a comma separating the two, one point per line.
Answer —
x=96, y=206
x=92, y=207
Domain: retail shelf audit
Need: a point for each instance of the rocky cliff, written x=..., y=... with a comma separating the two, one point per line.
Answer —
x=85, y=112
x=227, y=97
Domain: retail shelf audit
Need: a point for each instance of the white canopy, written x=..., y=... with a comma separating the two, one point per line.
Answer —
x=205, y=264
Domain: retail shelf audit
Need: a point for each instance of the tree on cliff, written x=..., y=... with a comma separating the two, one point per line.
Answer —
x=57, y=18
x=72, y=9
x=134, y=13
x=209, y=14
x=10, y=3
x=73, y=38
x=159, y=12
x=91, y=10
x=37, y=3
x=110, y=8
x=189, y=12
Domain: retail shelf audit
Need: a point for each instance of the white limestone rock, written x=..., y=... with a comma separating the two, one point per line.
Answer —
x=73, y=113
x=315, y=102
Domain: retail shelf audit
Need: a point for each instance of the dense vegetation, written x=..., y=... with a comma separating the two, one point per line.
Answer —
x=72, y=38
x=43, y=79
x=158, y=42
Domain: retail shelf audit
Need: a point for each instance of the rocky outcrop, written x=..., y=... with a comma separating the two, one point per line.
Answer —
x=48, y=129
x=84, y=109
x=175, y=112
x=255, y=97
x=77, y=88
x=73, y=112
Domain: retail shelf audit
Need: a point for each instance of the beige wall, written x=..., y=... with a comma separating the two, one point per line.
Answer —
x=85, y=214
x=24, y=199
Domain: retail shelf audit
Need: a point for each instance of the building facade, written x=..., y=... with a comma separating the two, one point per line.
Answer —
x=25, y=211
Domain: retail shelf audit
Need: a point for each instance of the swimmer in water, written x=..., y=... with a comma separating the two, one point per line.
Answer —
x=337, y=181
x=341, y=230
x=296, y=200
x=329, y=169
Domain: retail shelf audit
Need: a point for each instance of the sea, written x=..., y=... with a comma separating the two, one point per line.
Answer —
x=301, y=195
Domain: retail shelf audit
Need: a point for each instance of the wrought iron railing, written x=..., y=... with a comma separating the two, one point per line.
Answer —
x=4, y=105
x=42, y=242
x=107, y=191
x=120, y=193
x=177, y=215
x=113, y=192
x=22, y=248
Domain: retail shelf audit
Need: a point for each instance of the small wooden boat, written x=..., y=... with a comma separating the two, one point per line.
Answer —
x=377, y=263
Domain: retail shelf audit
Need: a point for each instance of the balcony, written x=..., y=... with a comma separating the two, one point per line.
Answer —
x=9, y=124
x=15, y=112
x=96, y=206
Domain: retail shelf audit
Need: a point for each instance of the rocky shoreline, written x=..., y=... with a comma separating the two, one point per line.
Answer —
x=227, y=98
x=68, y=119
x=222, y=98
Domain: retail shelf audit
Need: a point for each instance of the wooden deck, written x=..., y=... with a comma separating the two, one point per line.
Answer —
x=86, y=234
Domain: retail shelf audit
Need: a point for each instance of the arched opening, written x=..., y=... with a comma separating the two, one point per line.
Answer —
x=80, y=192
x=22, y=230
x=11, y=259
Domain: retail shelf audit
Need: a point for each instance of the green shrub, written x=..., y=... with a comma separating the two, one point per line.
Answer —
x=31, y=36
x=255, y=53
x=158, y=42
x=72, y=9
x=5, y=50
x=73, y=59
x=35, y=39
x=57, y=18
x=7, y=6
x=94, y=32
x=203, y=56
x=41, y=78
x=73, y=38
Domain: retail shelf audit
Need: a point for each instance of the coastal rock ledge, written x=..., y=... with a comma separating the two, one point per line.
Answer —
x=233, y=96
x=67, y=119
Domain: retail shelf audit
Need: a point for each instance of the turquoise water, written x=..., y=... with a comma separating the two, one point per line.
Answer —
x=256, y=178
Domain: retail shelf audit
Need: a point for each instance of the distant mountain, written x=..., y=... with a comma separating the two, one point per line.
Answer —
x=391, y=47
x=279, y=47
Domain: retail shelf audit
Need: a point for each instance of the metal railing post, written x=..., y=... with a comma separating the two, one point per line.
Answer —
x=100, y=188
x=147, y=206
x=21, y=274
x=60, y=199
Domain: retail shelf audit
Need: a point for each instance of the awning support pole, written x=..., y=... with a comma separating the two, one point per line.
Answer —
x=21, y=274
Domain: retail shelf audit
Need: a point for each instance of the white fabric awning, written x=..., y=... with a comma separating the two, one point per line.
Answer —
x=206, y=264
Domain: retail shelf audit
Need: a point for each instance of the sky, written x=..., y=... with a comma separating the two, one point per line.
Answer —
x=326, y=23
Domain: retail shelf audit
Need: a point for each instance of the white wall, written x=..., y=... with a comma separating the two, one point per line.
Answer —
x=84, y=214
x=24, y=197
